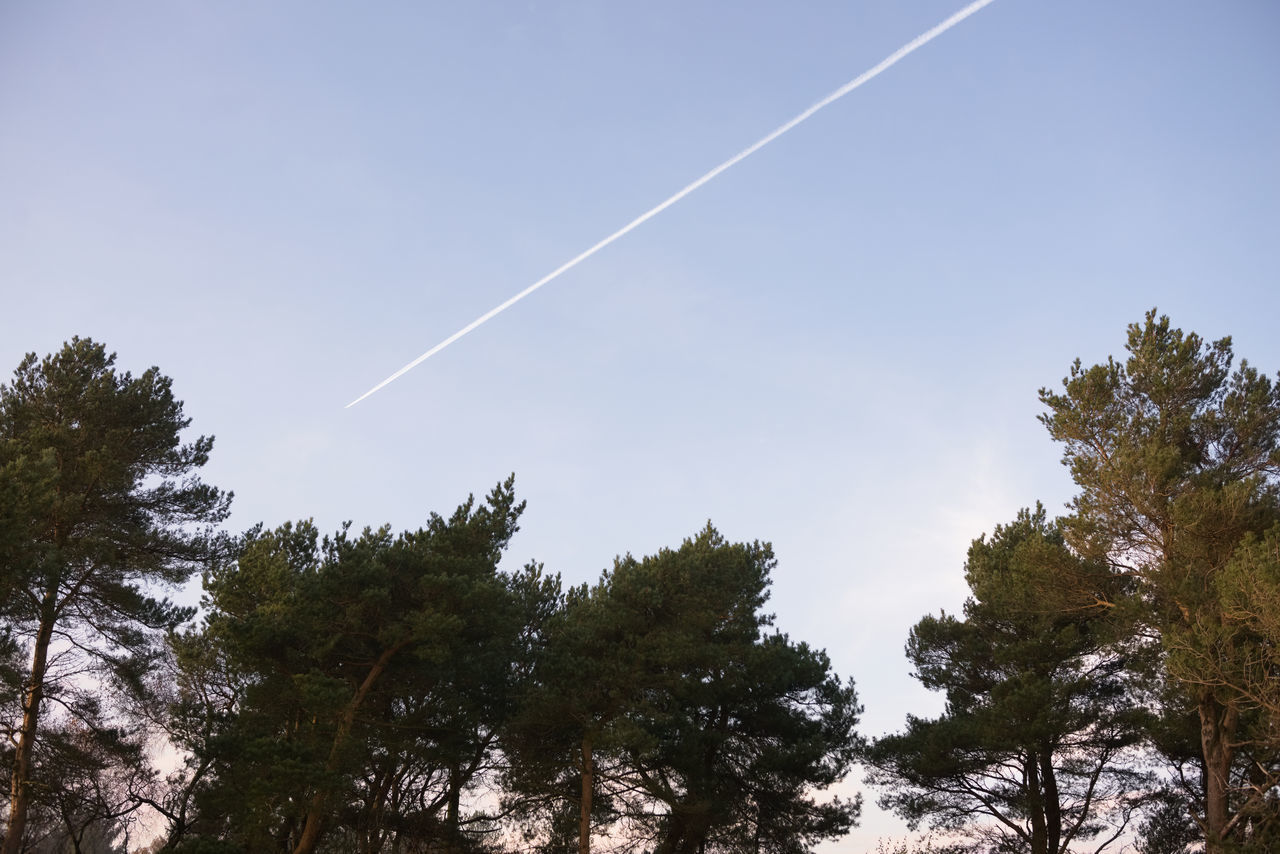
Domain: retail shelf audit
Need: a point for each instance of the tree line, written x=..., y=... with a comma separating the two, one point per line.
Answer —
x=1113, y=679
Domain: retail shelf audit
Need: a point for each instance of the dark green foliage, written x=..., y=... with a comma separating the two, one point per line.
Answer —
x=359, y=683
x=1168, y=828
x=739, y=750
x=1031, y=752
x=663, y=710
x=100, y=503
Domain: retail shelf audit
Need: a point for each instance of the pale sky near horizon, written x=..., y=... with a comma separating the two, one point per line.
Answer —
x=835, y=346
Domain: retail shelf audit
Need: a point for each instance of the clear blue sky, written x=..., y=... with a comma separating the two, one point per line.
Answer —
x=835, y=346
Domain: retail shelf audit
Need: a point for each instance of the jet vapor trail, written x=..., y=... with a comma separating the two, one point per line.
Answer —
x=884, y=64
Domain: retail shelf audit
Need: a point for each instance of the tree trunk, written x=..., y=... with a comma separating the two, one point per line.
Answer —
x=374, y=814
x=1052, y=801
x=318, y=809
x=695, y=832
x=453, y=811
x=1035, y=803
x=588, y=789
x=20, y=785
x=671, y=842
x=1217, y=726
x=687, y=829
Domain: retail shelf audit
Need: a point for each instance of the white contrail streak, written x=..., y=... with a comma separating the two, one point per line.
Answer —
x=884, y=64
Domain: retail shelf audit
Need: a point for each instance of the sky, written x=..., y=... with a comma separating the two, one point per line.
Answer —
x=835, y=346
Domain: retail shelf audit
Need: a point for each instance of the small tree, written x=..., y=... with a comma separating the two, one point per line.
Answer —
x=101, y=504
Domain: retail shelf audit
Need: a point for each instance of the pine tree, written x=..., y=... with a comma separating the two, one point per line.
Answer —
x=1030, y=754
x=663, y=706
x=1177, y=458
x=101, y=506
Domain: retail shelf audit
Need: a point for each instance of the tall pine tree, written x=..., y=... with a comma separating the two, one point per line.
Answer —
x=101, y=505
x=1177, y=457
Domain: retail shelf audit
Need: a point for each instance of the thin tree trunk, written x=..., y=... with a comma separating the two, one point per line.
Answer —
x=1035, y=805
x=453, y=809
x=376, y=833
x=588, y=789
x=20, y=785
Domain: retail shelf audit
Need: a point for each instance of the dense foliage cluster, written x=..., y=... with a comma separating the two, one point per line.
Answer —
x=1114, y=678
x=372, y=692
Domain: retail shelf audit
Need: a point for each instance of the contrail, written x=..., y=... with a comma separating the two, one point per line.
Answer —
x=884, y=64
